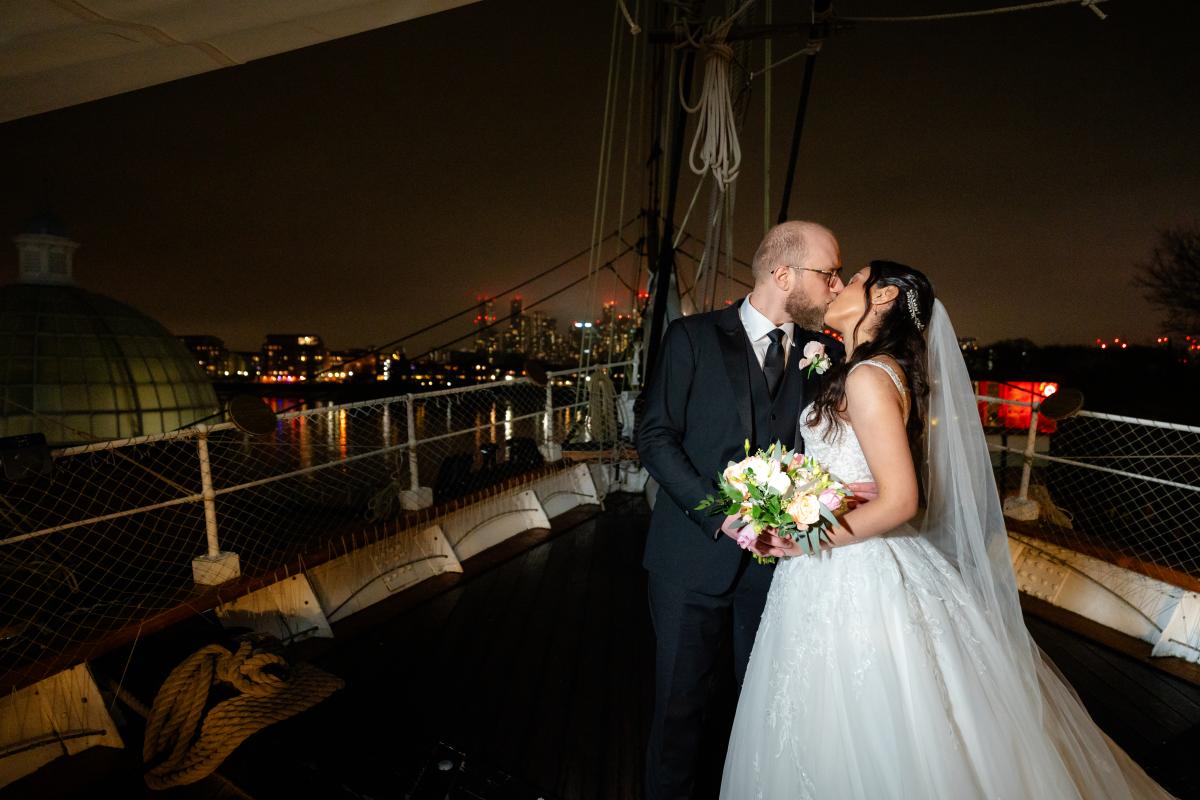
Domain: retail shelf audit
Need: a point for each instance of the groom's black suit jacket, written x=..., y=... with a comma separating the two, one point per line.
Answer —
x=706, y=398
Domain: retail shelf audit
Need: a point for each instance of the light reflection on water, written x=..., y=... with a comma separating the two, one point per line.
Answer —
x=337, y=433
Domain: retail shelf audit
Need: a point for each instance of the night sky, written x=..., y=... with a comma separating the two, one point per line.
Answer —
x=362, y=188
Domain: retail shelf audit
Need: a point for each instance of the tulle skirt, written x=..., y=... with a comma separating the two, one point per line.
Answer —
x=874, y=675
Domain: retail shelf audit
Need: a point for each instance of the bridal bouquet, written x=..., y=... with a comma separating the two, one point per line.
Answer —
x=780, y=489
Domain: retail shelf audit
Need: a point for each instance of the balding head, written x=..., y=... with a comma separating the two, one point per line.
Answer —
x=801, y=294
x=788, y=243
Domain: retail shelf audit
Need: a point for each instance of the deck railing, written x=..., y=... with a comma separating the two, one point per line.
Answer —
x=112, y=537
x=109, y=540
x=1123, y=489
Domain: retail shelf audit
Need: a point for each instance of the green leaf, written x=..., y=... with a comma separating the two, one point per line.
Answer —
x=827, y=515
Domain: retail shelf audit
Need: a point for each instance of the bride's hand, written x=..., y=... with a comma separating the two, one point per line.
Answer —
x=768, y=544
x=863, y=492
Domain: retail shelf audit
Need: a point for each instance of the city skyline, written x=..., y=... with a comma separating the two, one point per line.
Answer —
x=494, y=341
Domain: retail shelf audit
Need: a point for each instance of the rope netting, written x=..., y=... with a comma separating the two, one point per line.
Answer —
x=106, y=542
x=1124, y=490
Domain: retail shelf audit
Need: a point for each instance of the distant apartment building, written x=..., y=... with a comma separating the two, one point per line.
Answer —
x=295, y=356
x=210, y=354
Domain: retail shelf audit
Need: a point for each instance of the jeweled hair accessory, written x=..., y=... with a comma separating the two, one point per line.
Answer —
x=911, y=294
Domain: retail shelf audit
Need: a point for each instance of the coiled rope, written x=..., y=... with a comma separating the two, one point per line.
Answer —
x=269, y=690
x=716, y=136
x=602, y=408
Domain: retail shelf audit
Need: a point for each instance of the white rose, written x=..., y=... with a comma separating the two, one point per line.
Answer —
x=780, y=482
x=756, y=465
x=735, y=477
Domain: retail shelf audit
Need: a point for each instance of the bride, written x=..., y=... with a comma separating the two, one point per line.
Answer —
x=895, y=663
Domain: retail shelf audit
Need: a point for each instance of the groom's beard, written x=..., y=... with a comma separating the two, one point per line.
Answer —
x=804, y=312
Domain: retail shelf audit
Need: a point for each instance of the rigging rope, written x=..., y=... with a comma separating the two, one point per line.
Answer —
x=633, y=63
x=1092, y=5
x=634, y=28
x=766, y=158
x=598, y=208
x=810, y=49
x=501, y=320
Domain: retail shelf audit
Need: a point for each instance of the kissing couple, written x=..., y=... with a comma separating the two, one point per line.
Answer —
x=894, y=662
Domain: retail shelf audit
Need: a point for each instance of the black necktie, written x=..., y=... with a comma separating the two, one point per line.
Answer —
x=773, y=362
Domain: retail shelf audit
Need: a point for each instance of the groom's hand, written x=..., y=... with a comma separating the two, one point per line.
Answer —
x=863, y=491
x=731, y=526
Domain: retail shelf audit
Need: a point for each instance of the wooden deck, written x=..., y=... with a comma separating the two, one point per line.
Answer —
x=536, y=665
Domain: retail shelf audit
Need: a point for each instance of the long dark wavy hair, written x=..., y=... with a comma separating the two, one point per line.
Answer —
x=898, y=335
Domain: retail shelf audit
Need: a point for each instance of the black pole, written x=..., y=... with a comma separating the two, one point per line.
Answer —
x=806, y=89
x=665, y=264
x=653, y=216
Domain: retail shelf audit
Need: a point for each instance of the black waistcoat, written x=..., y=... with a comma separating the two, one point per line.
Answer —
x=774, y=420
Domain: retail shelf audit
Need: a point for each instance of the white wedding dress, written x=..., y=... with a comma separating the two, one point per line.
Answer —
x=876, y=674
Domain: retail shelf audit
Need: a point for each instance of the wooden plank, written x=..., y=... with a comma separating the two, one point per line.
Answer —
x=551, y=710
x=527, y=679
x=1122, y=643
x=542, y=661
x=505, y=666
x=583, y=775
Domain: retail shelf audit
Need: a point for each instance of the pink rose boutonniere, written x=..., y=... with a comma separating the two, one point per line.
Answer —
x=815, y=359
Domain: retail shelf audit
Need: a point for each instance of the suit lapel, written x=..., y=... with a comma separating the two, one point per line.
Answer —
x=732, y=337
x=811, y=385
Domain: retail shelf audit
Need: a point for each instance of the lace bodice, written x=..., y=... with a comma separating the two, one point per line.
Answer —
x=836, y=446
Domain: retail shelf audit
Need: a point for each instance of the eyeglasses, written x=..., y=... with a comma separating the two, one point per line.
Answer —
x=832, y=275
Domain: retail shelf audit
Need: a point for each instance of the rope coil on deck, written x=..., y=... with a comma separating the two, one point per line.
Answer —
x=270, y=690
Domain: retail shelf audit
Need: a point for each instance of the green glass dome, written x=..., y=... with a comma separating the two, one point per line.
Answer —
x=79, y=366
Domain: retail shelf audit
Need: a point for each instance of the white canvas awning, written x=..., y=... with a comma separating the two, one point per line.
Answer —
x=56, y=53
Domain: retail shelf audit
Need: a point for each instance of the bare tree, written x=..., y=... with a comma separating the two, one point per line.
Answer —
x=1171, y=279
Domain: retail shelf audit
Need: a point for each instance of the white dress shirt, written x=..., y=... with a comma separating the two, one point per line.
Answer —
x=757, y=327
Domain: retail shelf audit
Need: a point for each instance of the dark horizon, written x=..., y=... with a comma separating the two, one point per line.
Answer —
x=364, y=188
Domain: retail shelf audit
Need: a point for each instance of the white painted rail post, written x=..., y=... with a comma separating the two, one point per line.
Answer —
x=416, y=496
x=551, y=451
x=210, y=496
x=414, y=478
x=215, y=567
x=1021, y=507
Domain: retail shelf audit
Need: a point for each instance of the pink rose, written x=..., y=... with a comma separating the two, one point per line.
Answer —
x=746, y=537
x=831, y=499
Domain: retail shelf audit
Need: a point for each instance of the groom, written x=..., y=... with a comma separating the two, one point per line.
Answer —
x=722, y=378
